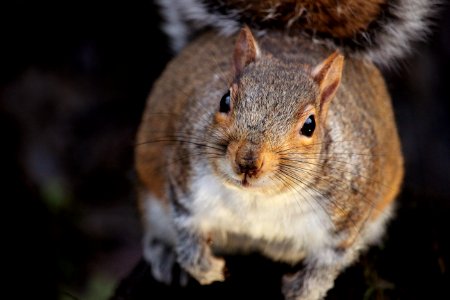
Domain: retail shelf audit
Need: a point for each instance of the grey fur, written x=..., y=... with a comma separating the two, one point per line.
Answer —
x=162, y=259
x=389, y=38
x=195, y=256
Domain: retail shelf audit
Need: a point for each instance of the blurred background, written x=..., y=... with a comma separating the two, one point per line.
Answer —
x=74, y=78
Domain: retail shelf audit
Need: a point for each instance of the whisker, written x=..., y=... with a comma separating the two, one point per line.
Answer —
x=294, y=181
x=175, y=141
x=303, y=154
x=316, y=173
x=374, y=190
x=342, y=170
x=309, y=185
x=293, y=188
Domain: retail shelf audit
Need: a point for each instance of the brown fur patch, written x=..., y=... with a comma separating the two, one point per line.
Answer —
x=342, y=19
x=151, y=174
x=394, y=170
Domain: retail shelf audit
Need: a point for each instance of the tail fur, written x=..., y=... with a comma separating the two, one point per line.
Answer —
x=378, y=30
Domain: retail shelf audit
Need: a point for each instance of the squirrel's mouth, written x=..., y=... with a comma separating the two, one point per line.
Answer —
x=245, y=182
x=260, y=185
x=240, y=182
x=249, y=182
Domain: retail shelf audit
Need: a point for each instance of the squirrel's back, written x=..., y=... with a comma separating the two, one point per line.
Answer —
x=378, y=30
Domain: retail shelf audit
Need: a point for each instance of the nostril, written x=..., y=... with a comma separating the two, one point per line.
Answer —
x=246, y=168
x=250, y=166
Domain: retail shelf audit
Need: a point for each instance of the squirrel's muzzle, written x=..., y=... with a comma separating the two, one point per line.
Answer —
x=249, y=160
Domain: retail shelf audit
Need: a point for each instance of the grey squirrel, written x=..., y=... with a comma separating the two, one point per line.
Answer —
x=269, y=144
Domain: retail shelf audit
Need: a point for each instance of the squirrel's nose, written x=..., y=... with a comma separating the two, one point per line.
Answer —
x=250, y=163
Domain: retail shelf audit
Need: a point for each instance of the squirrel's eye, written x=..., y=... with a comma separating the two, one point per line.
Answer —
x=308, y=126
x=225, y=103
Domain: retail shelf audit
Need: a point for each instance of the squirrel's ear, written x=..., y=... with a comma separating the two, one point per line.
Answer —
x=328, y=76
x=245, y=51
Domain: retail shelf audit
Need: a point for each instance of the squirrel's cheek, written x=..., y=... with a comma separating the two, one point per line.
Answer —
x=271, y=162
x=222, y=119
x=307, y=141
x=230, y=156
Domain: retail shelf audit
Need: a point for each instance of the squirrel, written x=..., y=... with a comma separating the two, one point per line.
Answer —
x=267, y=143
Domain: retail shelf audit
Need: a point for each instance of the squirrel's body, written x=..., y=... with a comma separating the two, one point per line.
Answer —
x=319, y=199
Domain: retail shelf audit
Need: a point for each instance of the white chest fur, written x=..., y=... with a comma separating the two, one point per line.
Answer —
x=285, y=227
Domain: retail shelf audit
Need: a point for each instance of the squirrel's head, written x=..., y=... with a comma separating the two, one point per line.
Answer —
x=271, y=119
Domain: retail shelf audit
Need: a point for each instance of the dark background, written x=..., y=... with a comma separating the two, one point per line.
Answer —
x=73, y=83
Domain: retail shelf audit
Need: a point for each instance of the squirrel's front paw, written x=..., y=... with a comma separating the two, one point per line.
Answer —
x=214, y=272
x=206, y=270
x=307, y=285
x=292, y=287
x=162, y=260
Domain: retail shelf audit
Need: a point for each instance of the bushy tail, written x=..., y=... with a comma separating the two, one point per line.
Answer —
x=378, y=30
